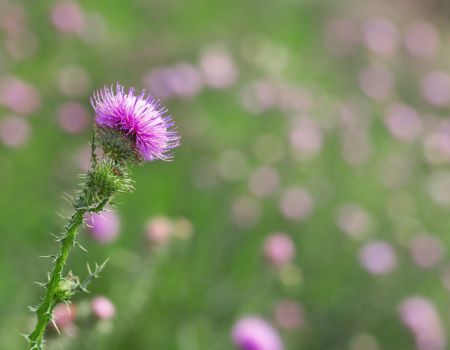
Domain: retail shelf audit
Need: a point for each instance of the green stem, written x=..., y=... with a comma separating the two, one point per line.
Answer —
x=45, y=309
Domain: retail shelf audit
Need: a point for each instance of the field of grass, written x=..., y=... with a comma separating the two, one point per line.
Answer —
x=284, y=110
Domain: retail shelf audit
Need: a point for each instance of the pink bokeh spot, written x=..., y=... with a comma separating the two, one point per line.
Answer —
x=421, y=317
x=72, y=117
x=103, y=227
x=426, y=250
x=376, y=82
x=353, y=220
x=103, y=308
x=279, y=249
x=19, y=96
x=435, y=87
x=159, y=230
x=378, y=258
x=380, y=36
x=64, y=315
x=218, y=68
x=289, y=315
x=296, y=203
x=14, y=131
x=422, y=40
x=68, y=17
x=254, y=333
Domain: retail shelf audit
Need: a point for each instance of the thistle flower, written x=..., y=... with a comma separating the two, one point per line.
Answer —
x=129, y=129
x=140, y=118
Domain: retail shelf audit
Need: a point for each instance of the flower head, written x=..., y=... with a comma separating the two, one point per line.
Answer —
x=140, y=118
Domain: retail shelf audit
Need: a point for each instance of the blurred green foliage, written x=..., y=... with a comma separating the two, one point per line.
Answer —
x=188, y=295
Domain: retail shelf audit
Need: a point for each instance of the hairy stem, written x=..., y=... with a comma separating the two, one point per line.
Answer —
x=45, y=309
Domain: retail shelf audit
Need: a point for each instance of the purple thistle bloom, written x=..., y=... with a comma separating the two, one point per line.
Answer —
x=139, y=117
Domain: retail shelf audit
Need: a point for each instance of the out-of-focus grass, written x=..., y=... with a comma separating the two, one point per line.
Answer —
x=190, y=297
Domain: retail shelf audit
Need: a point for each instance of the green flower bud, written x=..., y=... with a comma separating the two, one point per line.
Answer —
x=117, y=146
x=104, y=180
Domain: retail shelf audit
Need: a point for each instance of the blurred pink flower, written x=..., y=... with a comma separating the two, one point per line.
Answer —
x=103, y=227
x=378, y=257
x=426, y=250
x=435, y=87
x=14, y=131
x=180, y=80
x=218, y=68
x=254, y=333
x=72, y=117
x=159, y=230
x=403, y=122
x=289, y=315
x=187, y=80
x=279, y=249
x=381, y=36
x=159, y=82
x=421, y=317
x=103, y=308
x=376, y=82
x=19, y=96
x=68, y=17
x=296, y=203
x=353, y=220
x=64, y=315
x=306, y=138
x=264, y=181
x=422, y=40
x=13, y=18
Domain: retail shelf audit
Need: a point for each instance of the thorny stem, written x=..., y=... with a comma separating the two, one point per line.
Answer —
x=108, y=176
x=45, y=309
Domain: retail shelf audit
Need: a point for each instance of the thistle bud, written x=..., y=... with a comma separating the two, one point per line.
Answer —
x=104, y=180
x=116, y=146
x=66, y=288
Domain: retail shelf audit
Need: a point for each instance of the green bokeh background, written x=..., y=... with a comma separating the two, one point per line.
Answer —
x=189, y=296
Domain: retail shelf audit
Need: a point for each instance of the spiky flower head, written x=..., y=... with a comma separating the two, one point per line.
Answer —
x=139, y=117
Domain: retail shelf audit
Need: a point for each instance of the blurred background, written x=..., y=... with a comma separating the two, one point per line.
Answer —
x=307, y=207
